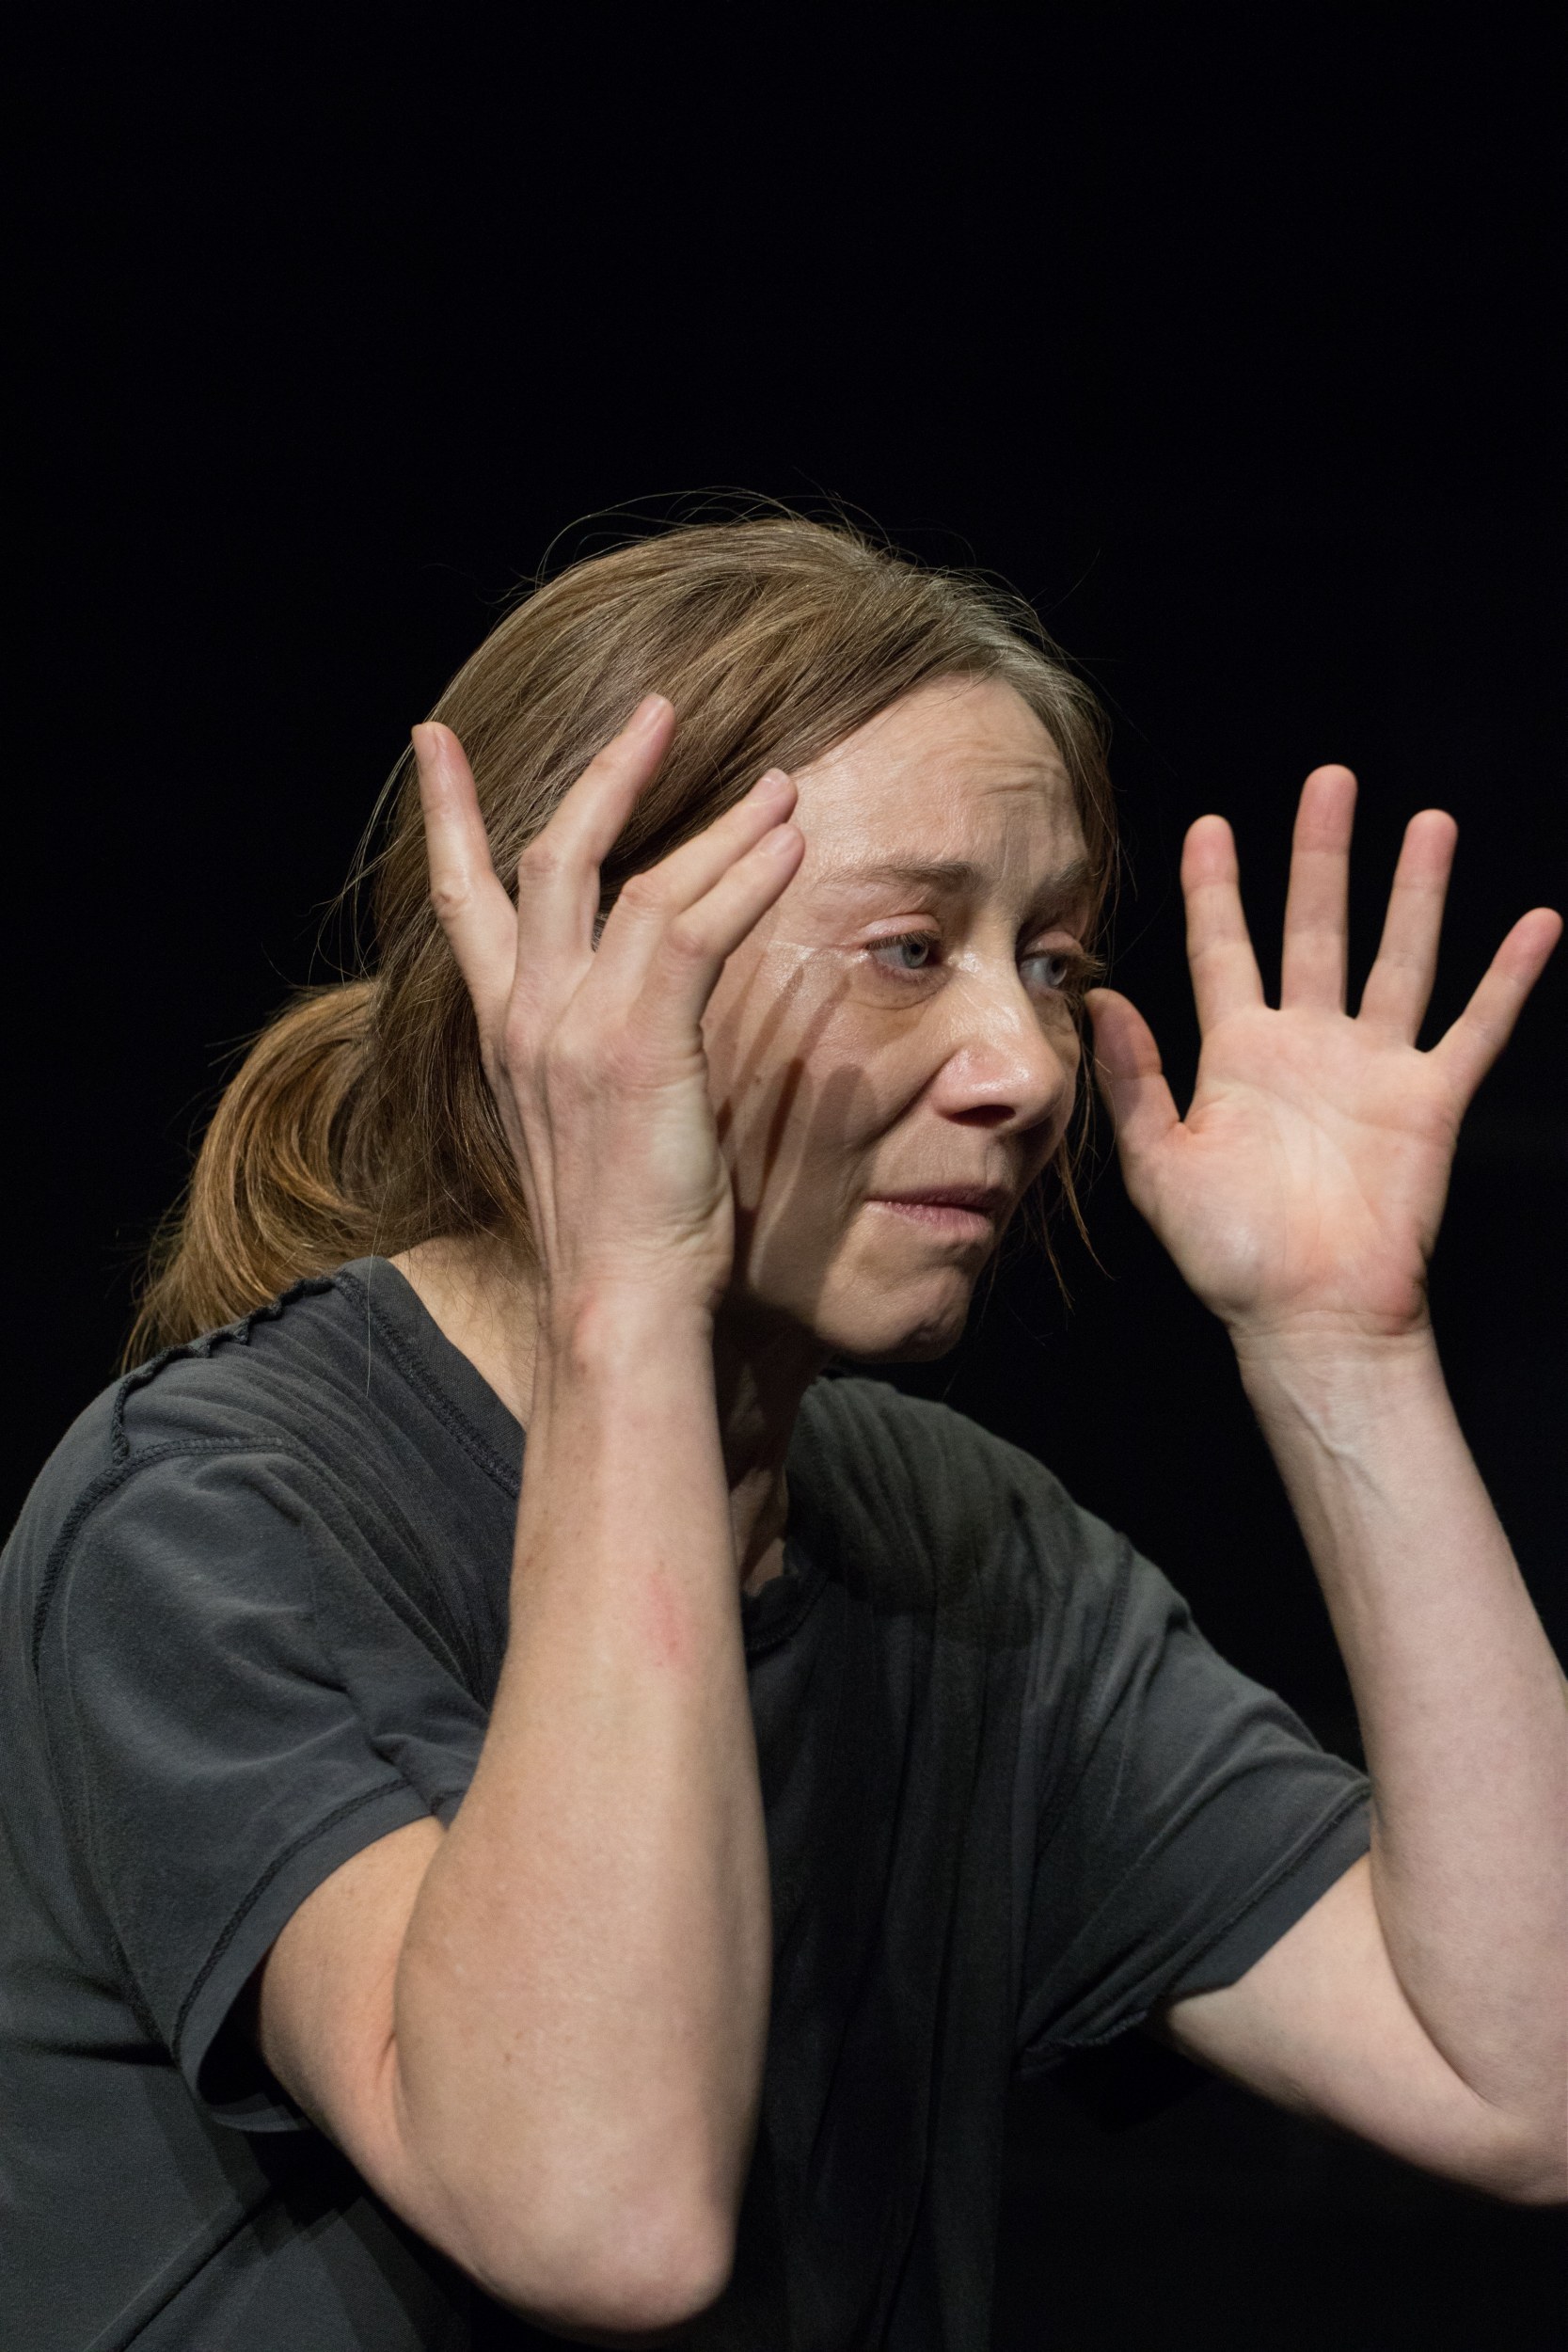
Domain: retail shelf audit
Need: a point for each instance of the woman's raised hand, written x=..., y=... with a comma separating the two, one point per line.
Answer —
x=595, y=1056
x=1303, y=1191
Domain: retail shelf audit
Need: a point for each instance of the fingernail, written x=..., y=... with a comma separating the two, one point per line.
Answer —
x=766, y=783
x=652, y=706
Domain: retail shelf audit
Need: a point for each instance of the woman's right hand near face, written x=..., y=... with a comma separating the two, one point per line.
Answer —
x=594, y=1056
x=462, y=2008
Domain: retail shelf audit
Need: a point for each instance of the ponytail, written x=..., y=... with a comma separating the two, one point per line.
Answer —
x=272, y=1196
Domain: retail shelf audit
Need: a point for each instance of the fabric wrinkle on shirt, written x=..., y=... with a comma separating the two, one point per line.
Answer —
x=254, y=1614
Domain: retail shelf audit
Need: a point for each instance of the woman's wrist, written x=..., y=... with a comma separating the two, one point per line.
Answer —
x=590, y=1332
x=1339, y=1384
x=1332, y=1350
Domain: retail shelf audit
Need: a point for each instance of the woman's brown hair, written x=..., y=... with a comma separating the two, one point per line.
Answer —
x=360, y=1122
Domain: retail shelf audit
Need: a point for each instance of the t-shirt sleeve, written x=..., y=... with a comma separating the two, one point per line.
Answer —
x=235, y=1705
x=1175, y=1817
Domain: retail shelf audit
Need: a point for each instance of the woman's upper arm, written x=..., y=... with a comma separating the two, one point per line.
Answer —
x=325, y=2006
x=1322, y=2024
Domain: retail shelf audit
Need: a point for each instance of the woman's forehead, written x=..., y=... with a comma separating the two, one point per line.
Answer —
x=959, y=770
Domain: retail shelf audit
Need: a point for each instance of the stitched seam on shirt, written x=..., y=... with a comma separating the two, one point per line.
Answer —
x=107, y=1482
x=279, y=1861
x=117, y=1474
x=1239, y=1911
x=202, y=1347
x=814, y=1577
x=455, y=1421
x=1352, y=1797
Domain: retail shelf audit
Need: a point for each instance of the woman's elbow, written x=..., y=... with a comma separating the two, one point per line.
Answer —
x=631, y=2278
x=603, y=2245
x=1526, y=2165
x=1541, y=2182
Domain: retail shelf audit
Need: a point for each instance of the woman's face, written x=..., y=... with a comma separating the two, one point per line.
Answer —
x=901, y=1022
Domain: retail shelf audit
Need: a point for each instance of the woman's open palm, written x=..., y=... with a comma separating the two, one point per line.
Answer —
x=1304, y=1189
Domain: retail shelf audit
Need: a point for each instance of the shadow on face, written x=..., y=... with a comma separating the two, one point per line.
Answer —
x=903, y=1020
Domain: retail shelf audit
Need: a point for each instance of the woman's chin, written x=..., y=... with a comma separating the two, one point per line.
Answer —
x=893, y=1329
x=860, y=1309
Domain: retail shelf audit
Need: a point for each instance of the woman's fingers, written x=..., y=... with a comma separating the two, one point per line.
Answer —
x=671, y=908
x=686, y=951
x=652, y=899
x=1312, y=971
x=1398, y=985
x=1219, y=947
x=1468, y=1051
x=557, y=875
x=470, y=904
x=1128, y=1070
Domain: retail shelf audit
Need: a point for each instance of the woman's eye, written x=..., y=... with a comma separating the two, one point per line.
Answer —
x=910, y=951
x=1055, y=967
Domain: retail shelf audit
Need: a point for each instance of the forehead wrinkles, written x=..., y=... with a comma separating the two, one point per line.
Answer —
x=1016, y=838
x=868, y=767
x=901, y=785
x=961, y=776
x=940, y=796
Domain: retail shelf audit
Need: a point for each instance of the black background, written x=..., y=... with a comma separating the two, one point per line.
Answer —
x=1232, y=340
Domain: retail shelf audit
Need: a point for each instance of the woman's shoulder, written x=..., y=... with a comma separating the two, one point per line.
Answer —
x=322, y=1368
x=257, y=1380
x=307, y=1456
x=321, y=1384
x=185, y=1407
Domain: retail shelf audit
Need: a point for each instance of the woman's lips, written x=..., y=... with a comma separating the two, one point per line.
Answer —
x=963, y=1219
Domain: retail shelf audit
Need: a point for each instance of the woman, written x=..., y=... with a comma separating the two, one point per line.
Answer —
x=618, y=1904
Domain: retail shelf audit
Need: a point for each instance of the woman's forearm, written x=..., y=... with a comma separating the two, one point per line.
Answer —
x=1461, y=1702
x=582, y=1996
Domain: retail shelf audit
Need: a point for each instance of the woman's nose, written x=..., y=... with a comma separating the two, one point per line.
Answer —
x=1012, y=1063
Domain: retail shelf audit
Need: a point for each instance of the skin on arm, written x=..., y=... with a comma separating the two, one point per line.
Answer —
x=465, y=2013
x=1423, y=2001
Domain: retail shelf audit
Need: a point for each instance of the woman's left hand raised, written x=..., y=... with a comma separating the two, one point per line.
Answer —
x=1302, y=1193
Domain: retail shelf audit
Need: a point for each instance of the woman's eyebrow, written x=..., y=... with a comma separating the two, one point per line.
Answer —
x=956, y=875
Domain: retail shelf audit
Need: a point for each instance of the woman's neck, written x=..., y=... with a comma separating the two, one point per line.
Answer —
x=480, y=1296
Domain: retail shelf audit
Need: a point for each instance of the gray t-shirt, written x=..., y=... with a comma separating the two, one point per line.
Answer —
x=251, y=1618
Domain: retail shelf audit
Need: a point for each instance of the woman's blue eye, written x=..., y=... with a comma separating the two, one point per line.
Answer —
x=918, y=945
x=916, y=951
